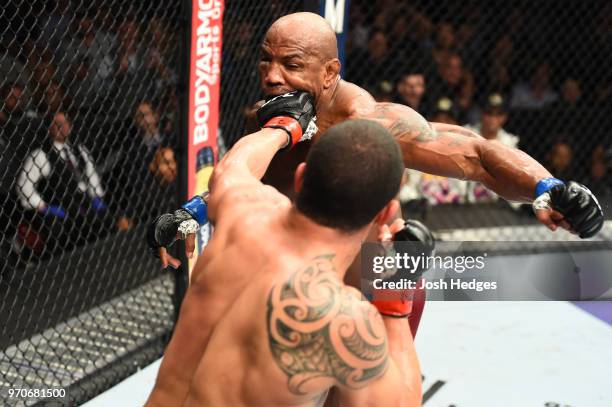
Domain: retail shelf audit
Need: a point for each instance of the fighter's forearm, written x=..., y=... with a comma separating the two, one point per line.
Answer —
x=251, y=155
x=457, y=152
x=509, y=172
x=403, y=355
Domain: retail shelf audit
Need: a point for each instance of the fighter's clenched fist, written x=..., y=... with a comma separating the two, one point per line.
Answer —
x=570, y=205
x=181, y=224
x=293, y=112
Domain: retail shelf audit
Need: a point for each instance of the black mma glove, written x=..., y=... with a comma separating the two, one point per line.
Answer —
x=293, y=112
x=169, y=227
x=422, y=241
x=398, y=303
x=576, y=203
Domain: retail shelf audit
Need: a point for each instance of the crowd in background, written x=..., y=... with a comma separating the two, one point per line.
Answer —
x=534, y=77
x=88, y=121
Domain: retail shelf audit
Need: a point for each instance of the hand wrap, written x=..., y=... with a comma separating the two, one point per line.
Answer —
x=293, y=112
x=574, y=201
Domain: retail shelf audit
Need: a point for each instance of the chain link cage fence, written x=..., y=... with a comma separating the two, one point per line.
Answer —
x=89, y=144
x=533, y=75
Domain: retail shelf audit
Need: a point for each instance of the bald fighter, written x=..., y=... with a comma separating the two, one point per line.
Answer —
x=299, y=52
x=266, y=320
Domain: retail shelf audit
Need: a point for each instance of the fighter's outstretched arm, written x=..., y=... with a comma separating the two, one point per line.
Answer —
x=456, y=152
x=246, y=162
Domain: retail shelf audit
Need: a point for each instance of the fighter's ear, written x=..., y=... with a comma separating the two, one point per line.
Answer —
x=298, y=180
x=388, y=213
x=332, y=70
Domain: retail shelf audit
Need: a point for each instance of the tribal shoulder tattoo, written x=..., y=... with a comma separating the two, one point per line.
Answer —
x=320, y=330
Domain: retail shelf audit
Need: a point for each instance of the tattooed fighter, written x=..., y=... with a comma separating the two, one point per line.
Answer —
x=267, y=320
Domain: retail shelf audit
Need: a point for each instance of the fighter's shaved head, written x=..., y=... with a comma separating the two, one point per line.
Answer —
x=299, y=52
x=310, y=30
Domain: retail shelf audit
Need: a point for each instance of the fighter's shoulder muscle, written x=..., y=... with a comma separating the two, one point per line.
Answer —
x=354, y=100
x=243, y=198
x=321, y=334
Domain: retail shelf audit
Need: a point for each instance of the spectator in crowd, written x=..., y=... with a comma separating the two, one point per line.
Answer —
x=600, y=177
x=410, y=90
x=383, y=91
x=470, y=41
x=13, y=146
x=537, y=93
x=44, y=73
x=17, y=131
x=11, y=95
x=146, y=129
x=376, y=58
x=572, y=118
x=491, y=126
x=169, y=108
x=83, y=90
x=358, y=29
x=132, y=67
x=571, y=92
x=129, y=51
x=421, y=28
x=160, y=52
x=444, y=46
x=157, y=183
x=444, y=111
x=163, y=166
x=502, y=52
x=59, y=185
x=90, y=55
x=601, y=56
x=569, y=108
x=12, y=66
x=559, y=160
x=497, y=71
x=404, y=46
x=54, y=26
x=54, y=99
x=454, y=82
x=135, y=158
x=494, y=114
x=498, y=79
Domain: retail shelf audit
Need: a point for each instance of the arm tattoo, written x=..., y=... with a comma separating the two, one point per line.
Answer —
x=317, y=329
x=418, y=131
x=417, y=128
